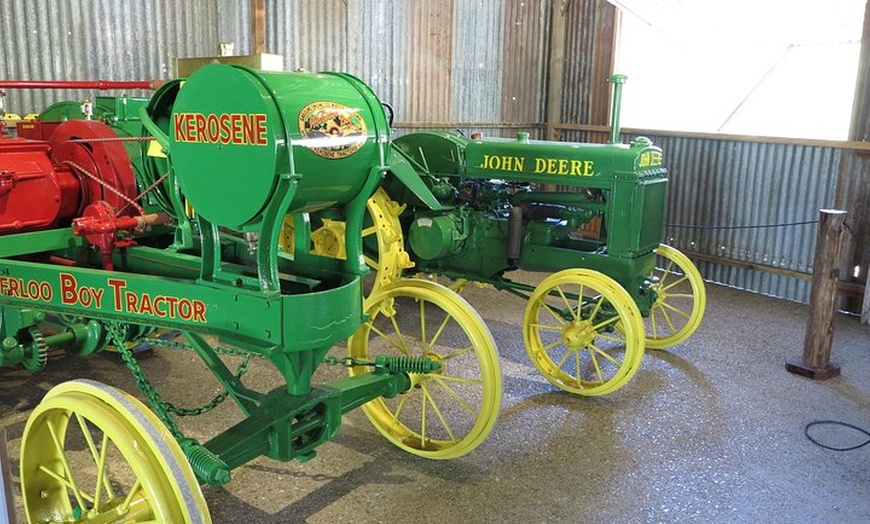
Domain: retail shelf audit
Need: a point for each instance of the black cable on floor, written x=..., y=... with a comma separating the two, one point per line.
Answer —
x=836, y=423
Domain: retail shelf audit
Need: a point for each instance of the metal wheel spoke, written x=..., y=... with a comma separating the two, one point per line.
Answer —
x=70, y=483
x=608, y=336
x=439, y=414
x=129, y=498
x=423, y=419
x=102, y=478
x=604, y=354
x=652, y=322
x=666, y=272
x=99, y=460
x=565, y=357
x=450, y=391
x=551, y=346
x=401, y=338
x=423, y=327
x=557, y=317
x=577, y=365
x=399, y=409
x=675, y=310
x=462, y=380
x=458, y=352
x=677, y=283
x=546, y=326
x=369, y=231
x=594, y=360
x=568, y=303
x=668, y=319
x=597, y=308
x=439, y=331
x=390, y=340
x=372, y=263
x=599, y=326
x=681, y=295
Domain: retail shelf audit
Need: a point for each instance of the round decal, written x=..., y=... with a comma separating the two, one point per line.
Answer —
x=332, y=130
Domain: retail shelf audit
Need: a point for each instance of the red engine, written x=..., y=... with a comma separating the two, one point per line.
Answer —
x=45, y=184
x=81, y=174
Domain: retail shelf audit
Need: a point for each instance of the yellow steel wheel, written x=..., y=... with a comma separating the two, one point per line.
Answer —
x=569, y=328
x=92, y=453
x=382, y=224
x=680, y=300
x=447, y=413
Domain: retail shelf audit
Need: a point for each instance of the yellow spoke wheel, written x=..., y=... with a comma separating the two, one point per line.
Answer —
x=92, y=453
x=382, y=224
x=447, y=413
x=569, y=328
x=680, y=300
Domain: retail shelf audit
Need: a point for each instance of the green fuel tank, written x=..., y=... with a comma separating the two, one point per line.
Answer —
x=235, y=132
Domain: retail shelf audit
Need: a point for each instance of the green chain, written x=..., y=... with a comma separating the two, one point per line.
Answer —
x=215, y=402
x=157, y=403
x=145, y=386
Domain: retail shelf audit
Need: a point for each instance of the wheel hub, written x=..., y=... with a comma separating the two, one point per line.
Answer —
x=578, y=334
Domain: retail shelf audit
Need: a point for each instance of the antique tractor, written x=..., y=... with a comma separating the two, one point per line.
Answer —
x=189, y=232
x=474, y=209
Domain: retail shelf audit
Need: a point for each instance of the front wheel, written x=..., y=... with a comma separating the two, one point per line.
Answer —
x=571, y=335
x=449, y=412
x=92, y=453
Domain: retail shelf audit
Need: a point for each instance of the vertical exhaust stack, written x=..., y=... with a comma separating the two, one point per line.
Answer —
x=617, y=80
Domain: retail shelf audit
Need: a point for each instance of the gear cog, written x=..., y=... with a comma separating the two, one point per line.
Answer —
x=38, y=355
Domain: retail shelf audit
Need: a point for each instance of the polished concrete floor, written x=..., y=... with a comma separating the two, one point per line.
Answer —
x=710, y=431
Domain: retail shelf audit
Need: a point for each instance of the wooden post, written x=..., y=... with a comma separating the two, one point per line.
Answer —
x=820, y=322
x=556, y=67
x=258, y=26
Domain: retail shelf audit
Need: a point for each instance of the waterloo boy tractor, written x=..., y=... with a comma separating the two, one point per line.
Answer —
x=590, y=214
x=83, y=264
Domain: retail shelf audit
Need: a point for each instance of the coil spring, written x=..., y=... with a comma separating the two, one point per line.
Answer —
x=207, y=466
x=404, y=364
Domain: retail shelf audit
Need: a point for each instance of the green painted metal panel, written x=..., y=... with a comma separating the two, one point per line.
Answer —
x=229, y=146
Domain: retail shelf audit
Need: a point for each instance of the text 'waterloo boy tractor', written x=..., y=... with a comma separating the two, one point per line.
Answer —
x=476, y=208
x=107, y=233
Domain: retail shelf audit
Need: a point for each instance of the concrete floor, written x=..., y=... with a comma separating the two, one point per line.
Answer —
x=710, y=431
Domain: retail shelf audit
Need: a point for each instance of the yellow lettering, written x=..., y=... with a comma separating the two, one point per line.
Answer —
x=540, y=165
x=551, y=166
x=563, y=166
x=576, y=165
x=589, y=168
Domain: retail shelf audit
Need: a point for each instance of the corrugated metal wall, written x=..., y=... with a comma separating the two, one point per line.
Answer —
x=109, y=40
x=449, y=62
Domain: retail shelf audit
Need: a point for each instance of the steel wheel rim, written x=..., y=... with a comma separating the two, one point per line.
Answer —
x=580, y=351
x=72, y=443
x=469, y=385
x=680, y=302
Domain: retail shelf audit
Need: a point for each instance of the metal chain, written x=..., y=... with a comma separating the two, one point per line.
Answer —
x=157, y=403
x=147, y=190
x=220, y=397
x=112, y=139
x=105, y=184
x=214, y=402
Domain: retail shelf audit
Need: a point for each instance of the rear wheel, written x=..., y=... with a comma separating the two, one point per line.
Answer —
x=680, y=300
x=447, y=413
